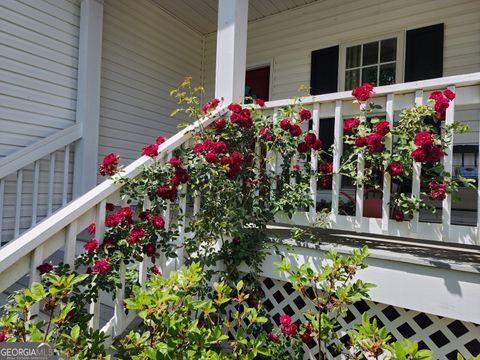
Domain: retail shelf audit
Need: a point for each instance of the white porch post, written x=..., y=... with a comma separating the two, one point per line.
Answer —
x=88, y=95
x=231, y=50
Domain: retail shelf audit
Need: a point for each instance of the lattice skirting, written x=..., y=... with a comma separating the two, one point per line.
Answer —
x=445, y=337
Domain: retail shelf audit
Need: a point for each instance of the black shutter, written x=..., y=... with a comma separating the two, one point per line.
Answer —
x=324, y=71
x=424, y=53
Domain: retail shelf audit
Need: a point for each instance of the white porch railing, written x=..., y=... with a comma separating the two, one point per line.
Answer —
x=59, y=232
x=23, y=255
x=15, y=195
x=392, y=98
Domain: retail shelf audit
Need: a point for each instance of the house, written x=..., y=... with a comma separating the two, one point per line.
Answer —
x=81, y=78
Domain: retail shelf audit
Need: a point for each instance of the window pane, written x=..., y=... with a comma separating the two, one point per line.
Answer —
x=388, y=50
x=370, y=53
x=352, y=79
x=369, y=75
x=353, y=56
x=387, y=74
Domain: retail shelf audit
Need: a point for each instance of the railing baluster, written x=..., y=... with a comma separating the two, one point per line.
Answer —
x=70, y=244
x=182, y=224
x=360, y=193
x=99, y=235
x=119, y=312
x=314, y=164
x=337, y=153
x=417, y=173
x=36, y=259
x=143, y=266
x=35, y=182
x=272, y=157
x=2, y=196
x=66, y=163
x=51, y=181
x=387, y=180
x=18, y=203
x=448, y=167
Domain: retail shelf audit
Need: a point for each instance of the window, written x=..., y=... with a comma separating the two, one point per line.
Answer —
x=375, y=62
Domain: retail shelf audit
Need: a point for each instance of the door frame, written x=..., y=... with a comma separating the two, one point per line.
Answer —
x=260, y=65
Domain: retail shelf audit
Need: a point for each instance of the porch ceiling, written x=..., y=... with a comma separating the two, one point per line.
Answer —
x=202, y=14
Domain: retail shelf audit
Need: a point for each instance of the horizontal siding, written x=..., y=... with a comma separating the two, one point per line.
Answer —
x=145, y=54
x=38, y=70
x=287, y=39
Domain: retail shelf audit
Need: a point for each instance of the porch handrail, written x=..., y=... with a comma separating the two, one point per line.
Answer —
x=392, y=98
x=23, y=255
x=38, y=150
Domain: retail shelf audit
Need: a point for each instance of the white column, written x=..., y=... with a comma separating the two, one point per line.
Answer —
x=231, y=50
x=88, y=95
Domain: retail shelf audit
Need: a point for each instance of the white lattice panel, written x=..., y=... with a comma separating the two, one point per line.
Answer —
x=445, y=337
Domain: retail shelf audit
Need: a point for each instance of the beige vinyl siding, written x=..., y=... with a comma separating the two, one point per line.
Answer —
x=146, y=52
x=38, y=70
x=287, y=39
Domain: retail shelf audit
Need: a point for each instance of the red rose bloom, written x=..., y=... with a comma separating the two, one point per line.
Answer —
x=438, y=190
x=419, y=155
x=350, y=124
x=220, y=148
x=149, y=249
x=296, y=167
x=361, y=141
x=363, y=92
x=166, y=193
x=109, y=165
x=435, y=154
x=375, y=148
x=302, y=147
x=135, y=235
x=182, y=175
x=45, y=268
x=3, y=335
x=126, y=215
x=398, y=215
x=150, y=150
x=273, y=338
x=145, y=215
x=382, y=127
x=155, y=270
x=290, y=329
x=198, y=148
x=394, y=169
x=295, y=130
x=260, y=102
x=306, y=333
x=235, y=108
x=211, y=105
x=326, y=182
x=175, y=162
x=374, y=138
x=160, y=140
x=211, y=158
x=91, y=228
x=310, y=139
x=236, y=157
x=435, y=95
x=219, y=125
x=112, y=220
x=101, y=266
x=108, y=242
x=326, y=168
x=236, y=241
x=225, y=160
x=305, y=114
x=91, y=246
x=317, y=144
x=423, y=138
x=449, y=94
x=441, y=106
x=285, y=124
x=285, y=320
x=158, y=222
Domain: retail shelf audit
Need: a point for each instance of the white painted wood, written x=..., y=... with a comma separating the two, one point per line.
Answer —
x=387, y=181
x=360, y=193
x=88, y=94
x=36, y=178
x=417, y=173
x=119, y=310
x=314, y=164
x=36, y=259
x=51, y=179
x=231, y=50
x=337, y=153
x=18, y=202
x=70, y=244
x=24, y=157
x=66, y=164
x=448, y=167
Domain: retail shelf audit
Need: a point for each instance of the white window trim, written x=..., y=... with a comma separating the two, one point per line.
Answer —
x=400, y=61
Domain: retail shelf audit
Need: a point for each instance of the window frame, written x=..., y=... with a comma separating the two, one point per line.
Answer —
x=400, y=58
